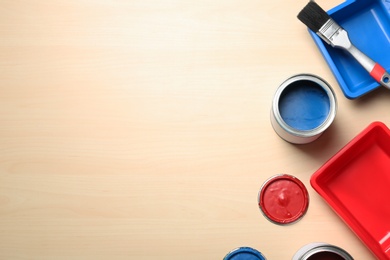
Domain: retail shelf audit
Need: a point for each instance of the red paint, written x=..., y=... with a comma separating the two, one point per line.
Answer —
x=283, y=199
x=325, y=256
x=377, y=72
x=355, y=182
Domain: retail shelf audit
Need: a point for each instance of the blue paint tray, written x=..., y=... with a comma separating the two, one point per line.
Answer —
x=368, y=25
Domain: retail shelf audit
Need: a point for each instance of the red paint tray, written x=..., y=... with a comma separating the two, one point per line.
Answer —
x=355, y=182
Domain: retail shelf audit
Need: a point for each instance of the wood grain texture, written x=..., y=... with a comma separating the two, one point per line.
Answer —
x=140, y=129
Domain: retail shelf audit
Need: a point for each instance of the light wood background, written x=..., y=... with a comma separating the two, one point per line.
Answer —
x=140, y=129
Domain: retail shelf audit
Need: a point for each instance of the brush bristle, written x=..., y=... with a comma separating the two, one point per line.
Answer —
x=313, y=16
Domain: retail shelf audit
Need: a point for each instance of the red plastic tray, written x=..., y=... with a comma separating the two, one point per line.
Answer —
x=355, y=182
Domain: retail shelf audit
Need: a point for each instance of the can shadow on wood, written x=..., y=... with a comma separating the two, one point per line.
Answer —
x=324, y=147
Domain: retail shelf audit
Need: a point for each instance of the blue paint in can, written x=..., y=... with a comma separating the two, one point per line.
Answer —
x=244, y=253
x=304, y=105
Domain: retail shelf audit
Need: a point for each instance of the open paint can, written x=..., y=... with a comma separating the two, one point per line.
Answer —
x=321, y=251
x=244, y=253
x=304, y=106
x=283, y=199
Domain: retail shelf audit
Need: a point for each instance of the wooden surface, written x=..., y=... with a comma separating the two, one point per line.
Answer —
x=140, y=129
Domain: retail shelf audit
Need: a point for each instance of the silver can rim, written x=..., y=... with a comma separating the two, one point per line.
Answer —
x=332, y=106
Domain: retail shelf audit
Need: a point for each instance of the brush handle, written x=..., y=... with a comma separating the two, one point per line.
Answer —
x=341, y=40
x=375, y=69
x=380, y=75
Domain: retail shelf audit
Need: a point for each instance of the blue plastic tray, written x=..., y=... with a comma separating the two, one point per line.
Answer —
x=368, y=25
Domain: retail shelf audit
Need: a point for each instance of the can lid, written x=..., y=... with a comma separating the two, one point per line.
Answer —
x=283, y=199
x=244, y=253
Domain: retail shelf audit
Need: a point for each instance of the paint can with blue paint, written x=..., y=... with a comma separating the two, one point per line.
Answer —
x=304, y=106
x=244, y=253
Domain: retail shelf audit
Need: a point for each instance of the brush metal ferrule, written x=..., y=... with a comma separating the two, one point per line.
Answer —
x=328, y=30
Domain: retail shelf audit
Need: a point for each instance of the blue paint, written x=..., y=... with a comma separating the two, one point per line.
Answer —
x=304, y=105
x=244, y=253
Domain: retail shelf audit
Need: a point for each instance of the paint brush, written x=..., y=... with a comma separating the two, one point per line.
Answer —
x=317, y=20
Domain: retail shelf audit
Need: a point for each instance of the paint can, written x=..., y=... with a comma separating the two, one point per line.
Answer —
x=321, y=251
x=303, y=107
x=244, y=253
x=283, y=199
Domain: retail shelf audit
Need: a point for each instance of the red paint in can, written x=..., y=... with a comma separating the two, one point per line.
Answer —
x=283, y=199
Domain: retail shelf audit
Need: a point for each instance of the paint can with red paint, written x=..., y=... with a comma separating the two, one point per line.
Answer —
x=321, y=251
x=283, y=199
